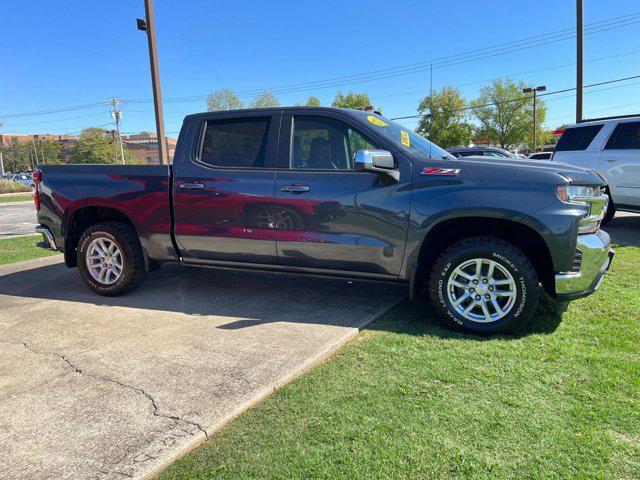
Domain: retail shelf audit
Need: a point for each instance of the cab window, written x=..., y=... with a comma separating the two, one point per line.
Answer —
x=235, y=143
x=325, y=144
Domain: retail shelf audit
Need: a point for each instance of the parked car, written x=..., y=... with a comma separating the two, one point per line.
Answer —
x=540, y=156
x=481, y=152
x=335, y=192
x=23, y=178
x=612, y=147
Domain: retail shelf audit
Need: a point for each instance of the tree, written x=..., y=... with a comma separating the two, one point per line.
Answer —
x=49, y=151
x=265, y=100
x=351, y=100
x=312, y=102
x=223, y=99
x=447, y=125
x=94, y=145
x=506, y=114
x=18, y=156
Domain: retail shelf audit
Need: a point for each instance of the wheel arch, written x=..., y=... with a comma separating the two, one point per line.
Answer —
x=86, y=216
x=445, y=233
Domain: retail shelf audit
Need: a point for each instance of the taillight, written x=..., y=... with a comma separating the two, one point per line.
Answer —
x=37, y=179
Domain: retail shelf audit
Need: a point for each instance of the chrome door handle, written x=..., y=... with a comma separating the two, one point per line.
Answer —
x=610, y=160
x=192, y=186
x=295, y=188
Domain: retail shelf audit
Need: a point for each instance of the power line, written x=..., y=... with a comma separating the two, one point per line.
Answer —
x=519, y=74
x=417, y=67
x=524, y=98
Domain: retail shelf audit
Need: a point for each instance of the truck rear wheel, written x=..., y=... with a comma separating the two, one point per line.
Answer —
x=110, y=258
x=484, y=285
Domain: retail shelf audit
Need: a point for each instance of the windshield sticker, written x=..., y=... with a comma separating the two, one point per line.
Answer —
x=377, y=121
x=406, y=141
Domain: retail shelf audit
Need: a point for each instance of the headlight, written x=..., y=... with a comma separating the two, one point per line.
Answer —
x=591, y=197
x=576, y=193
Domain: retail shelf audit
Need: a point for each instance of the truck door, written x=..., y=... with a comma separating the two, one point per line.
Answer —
x=223, y=191
x=330, y=216
x=620, y=162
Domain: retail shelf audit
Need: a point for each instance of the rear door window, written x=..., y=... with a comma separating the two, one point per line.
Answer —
x=626, y=136
x=577, y=138
x=239, y=143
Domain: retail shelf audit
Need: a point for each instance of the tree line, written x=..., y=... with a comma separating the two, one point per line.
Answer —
x=501, y=113
x=94, y=145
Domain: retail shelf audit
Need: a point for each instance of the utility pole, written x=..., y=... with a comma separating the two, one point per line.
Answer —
x=579, y=60
x=1, y=149
x=116, y=114
x=535, y=91
x=431, y=80
x=35, y=150
x=148, y=25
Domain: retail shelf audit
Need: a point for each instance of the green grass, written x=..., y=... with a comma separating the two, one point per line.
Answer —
x=410, y=399
x=18, y=197
x=21, y=248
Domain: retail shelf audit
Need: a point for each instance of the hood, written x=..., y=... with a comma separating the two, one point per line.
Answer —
x=574, y=175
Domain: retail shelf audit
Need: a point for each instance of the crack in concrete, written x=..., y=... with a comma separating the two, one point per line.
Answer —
x=79, y=371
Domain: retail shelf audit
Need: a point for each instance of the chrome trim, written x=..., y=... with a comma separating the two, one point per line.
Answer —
x=47, y=236
x=597, y=210
x=595, y=261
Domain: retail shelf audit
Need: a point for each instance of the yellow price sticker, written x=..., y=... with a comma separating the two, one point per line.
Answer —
x=406, y=141
x=377, y=121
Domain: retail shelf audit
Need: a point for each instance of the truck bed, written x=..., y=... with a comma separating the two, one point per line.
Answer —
x=139, y=192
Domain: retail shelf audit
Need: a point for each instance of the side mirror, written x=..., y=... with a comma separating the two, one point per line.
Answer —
x=379, y=161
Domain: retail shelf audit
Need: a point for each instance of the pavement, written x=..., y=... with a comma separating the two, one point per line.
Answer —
x=97, y=387
x=17, y=218
x=625, y=229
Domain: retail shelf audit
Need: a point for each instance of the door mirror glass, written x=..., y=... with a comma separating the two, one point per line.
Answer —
x=379, y=161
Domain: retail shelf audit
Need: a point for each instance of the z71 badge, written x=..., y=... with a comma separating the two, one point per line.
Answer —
x=451, y=172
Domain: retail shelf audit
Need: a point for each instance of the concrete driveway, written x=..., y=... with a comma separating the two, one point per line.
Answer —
x=96, y=387
x=625, y=229
x=17, y=218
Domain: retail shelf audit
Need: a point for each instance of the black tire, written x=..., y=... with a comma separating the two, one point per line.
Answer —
x=511, y=259
x=610, y=213
x=126, y=239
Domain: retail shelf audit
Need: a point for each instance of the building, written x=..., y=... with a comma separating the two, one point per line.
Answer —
x=144, y=146
x=66, y=142
x=7, y=139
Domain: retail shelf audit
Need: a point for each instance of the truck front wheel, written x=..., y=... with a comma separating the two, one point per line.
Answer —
x=484, y=285
x=110, y=258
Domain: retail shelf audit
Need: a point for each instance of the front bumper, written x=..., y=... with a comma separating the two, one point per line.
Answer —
x=597, y=256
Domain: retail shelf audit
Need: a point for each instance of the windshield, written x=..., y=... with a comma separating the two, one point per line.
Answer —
x=404, y=138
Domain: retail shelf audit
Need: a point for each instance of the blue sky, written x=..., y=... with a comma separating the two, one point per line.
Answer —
x=64, y=54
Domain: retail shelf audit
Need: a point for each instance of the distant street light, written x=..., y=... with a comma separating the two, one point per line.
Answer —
x=148, y=25
x=535, y=91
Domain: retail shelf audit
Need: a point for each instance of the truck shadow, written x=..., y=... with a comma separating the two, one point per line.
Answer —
x=238, y=299
x=625, y=229
x=248, y=299
x=409, y=318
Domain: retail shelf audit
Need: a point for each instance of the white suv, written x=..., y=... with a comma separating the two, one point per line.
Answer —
x=612, y=147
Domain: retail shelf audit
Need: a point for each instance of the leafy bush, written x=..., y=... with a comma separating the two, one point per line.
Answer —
x=8, y=186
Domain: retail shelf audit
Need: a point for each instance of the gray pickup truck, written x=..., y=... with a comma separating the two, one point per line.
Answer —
x=336, y=192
